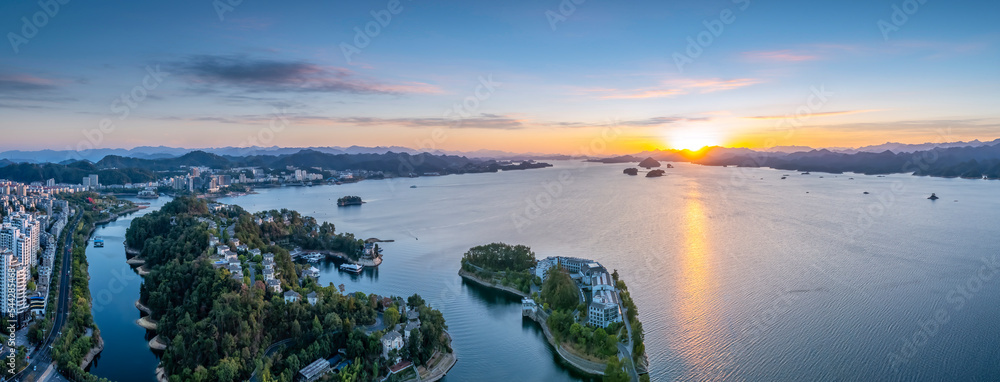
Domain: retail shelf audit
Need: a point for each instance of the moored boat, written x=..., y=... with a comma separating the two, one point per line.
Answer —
x=352, y=268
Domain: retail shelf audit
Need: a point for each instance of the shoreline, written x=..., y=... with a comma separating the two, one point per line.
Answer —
x=579, y=363
x=473, y=278
x=94, y=351
x=444, y=365
x=147, y=323
x=142, y=308
x=157, y=344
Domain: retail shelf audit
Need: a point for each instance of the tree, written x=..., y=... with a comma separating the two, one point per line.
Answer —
x=560, y=291
x=615, y=371
x=415, y=301
x=390, y=317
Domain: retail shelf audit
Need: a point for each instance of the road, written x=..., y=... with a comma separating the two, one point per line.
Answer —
x=626, y=350
x=42, y=356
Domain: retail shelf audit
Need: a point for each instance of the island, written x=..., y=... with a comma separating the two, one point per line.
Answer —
x=649, y=163
x=631, y=171
x=349, y=201
x=586, y=313
x=655, y=173
x=228, y=304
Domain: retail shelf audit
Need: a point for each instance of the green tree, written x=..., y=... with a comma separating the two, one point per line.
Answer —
x=390, y=317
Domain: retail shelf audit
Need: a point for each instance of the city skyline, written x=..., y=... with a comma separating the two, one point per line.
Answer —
x=550, y=77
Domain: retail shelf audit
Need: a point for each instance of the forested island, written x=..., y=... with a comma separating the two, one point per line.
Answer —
x=220, y=327
x=585, y=311
x=349, y=201
x=501, y=264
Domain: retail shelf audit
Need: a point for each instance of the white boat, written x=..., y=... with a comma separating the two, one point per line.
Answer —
x=353, y=268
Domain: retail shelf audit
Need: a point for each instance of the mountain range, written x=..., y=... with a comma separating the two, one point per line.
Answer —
x=116, y=169
x=163, y=152
x=975, y=161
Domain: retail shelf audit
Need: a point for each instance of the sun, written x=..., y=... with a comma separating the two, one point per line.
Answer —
x=694, y=140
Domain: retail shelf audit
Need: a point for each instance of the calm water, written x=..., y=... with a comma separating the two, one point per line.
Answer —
x=114, y=287
x=736, y=277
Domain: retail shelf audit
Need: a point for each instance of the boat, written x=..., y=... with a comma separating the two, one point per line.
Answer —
x=147, y=194
x=314, y=257
x=933, y=197
x=352, y=268
x=783, y=177
x=413, y=186
x=98, y=242
x=805, y=173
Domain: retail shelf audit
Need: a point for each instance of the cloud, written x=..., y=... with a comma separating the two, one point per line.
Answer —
x=260, y=75
x=779, y=56
x=646, y=122
x=814, y=115
x=481, y=121
x=22, y=83
x=671, y=88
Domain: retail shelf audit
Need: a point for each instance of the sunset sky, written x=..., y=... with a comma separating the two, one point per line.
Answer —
x=598, y=77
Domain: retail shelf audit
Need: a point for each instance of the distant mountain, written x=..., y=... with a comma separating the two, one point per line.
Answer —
x=959, y=159
x=967, y=162
x=116, y=169
x=163, y=152
x=909, y=148
x=788, y=149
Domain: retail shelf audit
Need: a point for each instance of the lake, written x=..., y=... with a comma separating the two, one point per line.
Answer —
x=738, y=274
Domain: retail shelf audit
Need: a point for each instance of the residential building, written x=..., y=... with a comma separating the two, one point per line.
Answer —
x=274, y=284
x=292, y=296
x=312, y=297
x=13, y=283
x=603, y=313
x=391, y=341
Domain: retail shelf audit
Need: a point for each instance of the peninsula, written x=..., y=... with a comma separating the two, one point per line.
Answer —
x=585, y=312
x=220, y=271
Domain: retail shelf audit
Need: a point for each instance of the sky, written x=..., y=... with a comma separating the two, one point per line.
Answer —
x=591, y=77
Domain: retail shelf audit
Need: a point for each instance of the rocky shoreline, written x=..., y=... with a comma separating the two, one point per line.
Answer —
x=97, y=349
x=473, y=278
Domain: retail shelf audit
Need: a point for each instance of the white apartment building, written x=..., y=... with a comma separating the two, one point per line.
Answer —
x=13, y=283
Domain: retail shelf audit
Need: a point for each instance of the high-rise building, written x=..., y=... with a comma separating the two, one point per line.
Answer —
x=93, y=181
x=13, y=283
x=30, y=229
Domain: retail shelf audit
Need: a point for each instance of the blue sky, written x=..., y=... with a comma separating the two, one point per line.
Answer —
x=604, y=65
